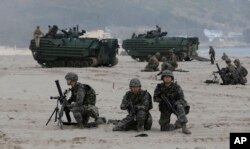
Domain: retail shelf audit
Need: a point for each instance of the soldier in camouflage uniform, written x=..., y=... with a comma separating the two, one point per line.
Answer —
x=166, y=65
x=229, y=73
x=224, y=56
x=153, y=63
x=172, y=59
x=178, y=105
x=82, y=101
x=137, y=102
x=212, y=54
x=241, y=72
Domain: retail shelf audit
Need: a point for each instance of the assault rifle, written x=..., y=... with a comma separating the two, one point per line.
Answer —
x=131, y=109
x=63, y=101
x=167, y=102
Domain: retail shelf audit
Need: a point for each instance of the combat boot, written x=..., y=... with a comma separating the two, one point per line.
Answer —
x=140, y=128
x=177, y=125
x=117, y=128
x=100, y=120
x=185, y=130
x=80, y=126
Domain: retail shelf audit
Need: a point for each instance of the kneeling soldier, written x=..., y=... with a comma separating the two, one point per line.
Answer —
x=170, y=97
x=138, y=103
x=82, y=101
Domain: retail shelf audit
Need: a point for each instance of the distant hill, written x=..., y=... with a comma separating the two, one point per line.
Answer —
x=178, y=17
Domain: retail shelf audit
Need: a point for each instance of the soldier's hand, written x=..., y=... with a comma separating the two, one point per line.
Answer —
x=139, y=108
x=124, y=107
x=69, y=106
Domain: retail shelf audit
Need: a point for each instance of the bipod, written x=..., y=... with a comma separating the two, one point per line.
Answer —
x=56, y=110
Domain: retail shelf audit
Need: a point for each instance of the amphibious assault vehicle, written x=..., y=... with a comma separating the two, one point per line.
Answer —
x=142, y=45
x=67, y=49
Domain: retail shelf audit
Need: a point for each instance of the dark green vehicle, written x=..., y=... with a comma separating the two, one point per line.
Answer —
x=66, y=49
x=139, y=47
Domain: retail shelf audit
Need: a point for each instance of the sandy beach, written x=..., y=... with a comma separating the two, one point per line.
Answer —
x=25, y=106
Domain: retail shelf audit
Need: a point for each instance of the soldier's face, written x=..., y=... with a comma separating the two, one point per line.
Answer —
x=167, y=79
x=68, y=82
x=135, y=89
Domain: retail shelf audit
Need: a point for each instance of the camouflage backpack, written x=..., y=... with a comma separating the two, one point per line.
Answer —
x=90, y=97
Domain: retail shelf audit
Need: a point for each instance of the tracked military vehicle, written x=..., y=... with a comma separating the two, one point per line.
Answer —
x=67, y=49
x=139, y=47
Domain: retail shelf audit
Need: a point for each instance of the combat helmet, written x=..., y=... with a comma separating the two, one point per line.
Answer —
x=158, y=54
x=237, y=61
x=228, y=60
x=135, y=82
x=167, y=73
x=163, y=59
x=71, y=76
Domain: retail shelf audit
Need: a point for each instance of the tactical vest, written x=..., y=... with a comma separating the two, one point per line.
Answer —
x=142, y=94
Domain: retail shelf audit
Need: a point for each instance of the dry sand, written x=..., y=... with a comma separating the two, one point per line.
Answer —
x=25, y=107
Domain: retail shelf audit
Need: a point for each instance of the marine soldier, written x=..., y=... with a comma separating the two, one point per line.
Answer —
x=37, y=34
x=82, y=101
x=224, y=56
x=173, y=59
x=166, y=65
x=212, y=54
x=171, y=99
x=158, y=29
x=153, y=64
x=229, y=73
x=137, y=102
x=241, y=72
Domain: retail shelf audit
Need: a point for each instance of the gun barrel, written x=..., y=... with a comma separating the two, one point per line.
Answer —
x=51, y=97
x=59, y=88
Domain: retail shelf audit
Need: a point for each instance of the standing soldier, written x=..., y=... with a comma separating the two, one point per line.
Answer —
x=212, y=54
x=170, y=97
x=37, y=34
x=82, y=101
x=137, y=102
x=241, y=72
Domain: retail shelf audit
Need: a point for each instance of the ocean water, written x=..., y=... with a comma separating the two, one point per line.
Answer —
x=238, y=52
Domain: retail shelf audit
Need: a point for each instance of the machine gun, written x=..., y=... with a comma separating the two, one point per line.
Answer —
x=178, y=70
x=63, y=101
x=220, y=73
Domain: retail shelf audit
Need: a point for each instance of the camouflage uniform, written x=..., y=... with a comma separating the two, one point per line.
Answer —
x=84, y=99
x=224, y=56
x=212, y=54
x=82, y=102
x=173, y=60
x=241, y=72
x=152, y=65
x=37, y=33
x=176, y=98
x=166, y=65
x=229, y=73
x=141, y=119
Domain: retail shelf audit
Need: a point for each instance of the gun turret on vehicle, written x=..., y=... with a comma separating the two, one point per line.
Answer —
x=67, y=49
